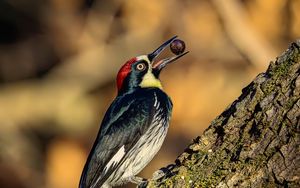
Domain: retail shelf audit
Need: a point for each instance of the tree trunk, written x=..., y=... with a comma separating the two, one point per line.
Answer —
x=254, y=142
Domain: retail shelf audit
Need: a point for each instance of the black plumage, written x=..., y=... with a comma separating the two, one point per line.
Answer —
x=135, y=125
x=128, y=118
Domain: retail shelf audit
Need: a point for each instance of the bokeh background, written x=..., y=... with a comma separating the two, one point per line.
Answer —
x=59, y=59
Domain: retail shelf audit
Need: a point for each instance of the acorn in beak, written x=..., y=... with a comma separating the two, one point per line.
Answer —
x=177, y=47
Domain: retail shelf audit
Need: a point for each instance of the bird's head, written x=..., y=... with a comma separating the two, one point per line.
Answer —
x=143, y=71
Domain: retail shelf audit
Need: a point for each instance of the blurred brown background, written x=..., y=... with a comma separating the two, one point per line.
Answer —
x=59, y=59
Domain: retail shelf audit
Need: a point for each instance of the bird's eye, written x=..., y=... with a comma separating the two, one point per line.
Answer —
x=141, y=66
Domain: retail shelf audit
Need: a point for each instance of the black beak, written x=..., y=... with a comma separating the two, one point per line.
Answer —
x=162, y=63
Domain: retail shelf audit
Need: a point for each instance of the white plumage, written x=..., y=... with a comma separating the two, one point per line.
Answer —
x=145, y=149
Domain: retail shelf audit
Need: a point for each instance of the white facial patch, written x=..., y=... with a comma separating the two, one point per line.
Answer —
x=143, y=57
x=149, y=80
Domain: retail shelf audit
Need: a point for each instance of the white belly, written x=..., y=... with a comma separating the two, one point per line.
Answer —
x=146, y=153
x=145, y=149
x=143, y=152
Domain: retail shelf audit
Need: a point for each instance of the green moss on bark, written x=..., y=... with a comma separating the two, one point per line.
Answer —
x=246, y=145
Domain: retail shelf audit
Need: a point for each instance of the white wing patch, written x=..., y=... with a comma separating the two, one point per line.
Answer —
x=155, y=103
x=113, y=161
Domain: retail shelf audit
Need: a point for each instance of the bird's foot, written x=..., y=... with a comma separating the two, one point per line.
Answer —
x=141, y=182
x=158, y=174
x=166, y=171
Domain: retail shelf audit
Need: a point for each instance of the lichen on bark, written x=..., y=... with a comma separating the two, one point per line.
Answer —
x=254, y=142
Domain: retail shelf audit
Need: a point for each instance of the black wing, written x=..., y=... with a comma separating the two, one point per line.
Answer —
x=125, y=122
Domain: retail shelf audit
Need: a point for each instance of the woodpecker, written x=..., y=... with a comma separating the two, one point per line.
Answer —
x=135, y=125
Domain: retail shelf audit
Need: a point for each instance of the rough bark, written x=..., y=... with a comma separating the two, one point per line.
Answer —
x=254, y=142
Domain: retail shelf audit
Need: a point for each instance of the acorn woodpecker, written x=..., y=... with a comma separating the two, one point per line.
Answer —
x=135, y=125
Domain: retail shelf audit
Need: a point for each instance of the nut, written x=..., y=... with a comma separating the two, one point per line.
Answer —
x=177, y=46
